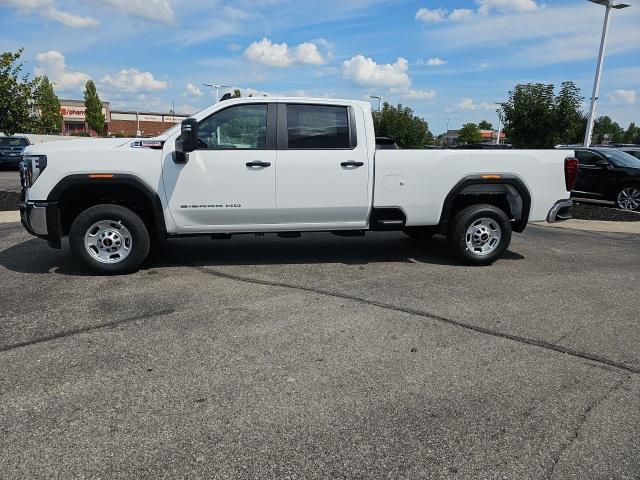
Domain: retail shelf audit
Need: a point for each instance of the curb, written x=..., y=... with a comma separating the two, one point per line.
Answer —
x=10, y=217
x=595, y=226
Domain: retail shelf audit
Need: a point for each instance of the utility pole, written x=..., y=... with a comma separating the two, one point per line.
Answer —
x=138, y=132
x=217, y=87
x=608, y=4
x=379, y=101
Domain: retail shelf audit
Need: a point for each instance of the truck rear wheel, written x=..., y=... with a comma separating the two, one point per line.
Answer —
x=109, y=239
x=480, y=234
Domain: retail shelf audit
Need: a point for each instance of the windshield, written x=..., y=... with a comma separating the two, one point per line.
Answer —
x=621, y=159
x=635, y=153
x=13, y=142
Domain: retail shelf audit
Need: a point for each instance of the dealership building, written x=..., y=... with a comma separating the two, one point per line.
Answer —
x=117, y=122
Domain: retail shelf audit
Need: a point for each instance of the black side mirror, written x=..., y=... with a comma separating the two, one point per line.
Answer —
x=602, y=164
x=187, y=142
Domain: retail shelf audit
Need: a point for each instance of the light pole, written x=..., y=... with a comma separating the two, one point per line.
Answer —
x=609, y=4
x=379, y=101
x=499, y=111
x=217, y=87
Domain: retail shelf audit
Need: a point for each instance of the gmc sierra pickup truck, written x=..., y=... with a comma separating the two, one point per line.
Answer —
x=282, y=165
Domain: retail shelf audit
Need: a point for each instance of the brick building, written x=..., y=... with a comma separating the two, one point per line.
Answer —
x=117, y=122
x=144, y=124
x=73, y=117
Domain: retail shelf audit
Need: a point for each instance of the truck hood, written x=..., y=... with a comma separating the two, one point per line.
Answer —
x=90, y=144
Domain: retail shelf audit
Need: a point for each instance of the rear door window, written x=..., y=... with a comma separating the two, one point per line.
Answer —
x=588, y=159
x=318, y=127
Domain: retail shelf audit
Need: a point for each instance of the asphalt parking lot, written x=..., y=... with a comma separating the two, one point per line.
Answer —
x=323, y=357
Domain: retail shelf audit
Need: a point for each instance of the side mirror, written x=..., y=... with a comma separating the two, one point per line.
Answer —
x=187, y=142
x=602, y=164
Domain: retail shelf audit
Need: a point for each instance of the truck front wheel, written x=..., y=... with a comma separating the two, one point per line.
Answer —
x=109, y=239
x=480, y=234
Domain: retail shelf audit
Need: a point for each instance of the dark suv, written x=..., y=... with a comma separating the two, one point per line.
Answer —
x=11, y=149
x=608, y=174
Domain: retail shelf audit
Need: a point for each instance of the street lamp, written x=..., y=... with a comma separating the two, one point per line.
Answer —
x=379, y=101
x=609, y=4
x=217, y=87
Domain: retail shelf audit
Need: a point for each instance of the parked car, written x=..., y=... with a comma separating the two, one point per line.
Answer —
x=11, y=150
x=635, y=151
x=484, y=146
x=606, y=173
x=285, y=166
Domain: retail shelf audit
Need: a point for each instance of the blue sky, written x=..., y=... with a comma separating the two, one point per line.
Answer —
x=445, y=59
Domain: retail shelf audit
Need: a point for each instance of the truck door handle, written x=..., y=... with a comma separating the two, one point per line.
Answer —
x=352, y=163
x=258, y=163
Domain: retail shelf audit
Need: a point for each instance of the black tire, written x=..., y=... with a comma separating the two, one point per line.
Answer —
x=113, y=215
x=463, y=221
x=420, y=233
x=627, y=198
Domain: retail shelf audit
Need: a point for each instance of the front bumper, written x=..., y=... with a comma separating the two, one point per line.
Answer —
x=41, y=220
x=560, y=211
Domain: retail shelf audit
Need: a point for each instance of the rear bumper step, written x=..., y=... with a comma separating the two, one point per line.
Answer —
x=560, y=211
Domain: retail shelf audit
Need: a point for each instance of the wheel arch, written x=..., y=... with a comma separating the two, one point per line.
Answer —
x=77, y=192
x=504, y=191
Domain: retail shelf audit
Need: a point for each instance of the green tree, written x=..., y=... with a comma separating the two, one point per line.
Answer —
x=49, y=119
x=631, y=134
x=571, y=122
x=399, y=123
x=16, y=100
x=484, y=125
x=535, y=117
x=470, y=133
x=604, y=128
x=93, y=105
x=236, y=93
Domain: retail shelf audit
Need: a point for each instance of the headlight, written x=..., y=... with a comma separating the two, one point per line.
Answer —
x=31, y=167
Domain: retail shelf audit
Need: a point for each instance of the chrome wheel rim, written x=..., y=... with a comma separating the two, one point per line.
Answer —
x=108, y=241
x=629, y=198
x=483, y=236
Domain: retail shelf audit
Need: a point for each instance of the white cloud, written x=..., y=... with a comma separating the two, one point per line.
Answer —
x=132, y=80
x=483, y=66
x=489, y=106
x=193, y=91
x=246, y=92
x=440, y=15
x=518, y=6
x=52, y=64
x=431, y=16
x=47, y=8
x=466, y=104
x=366, y=72
x=153, y=10
x=432, y=62
x=234, y=47
x=461, y=14
x=280, y=55
x=419, y=95
x=541, y=36
x=623, y=97
x=235, y=13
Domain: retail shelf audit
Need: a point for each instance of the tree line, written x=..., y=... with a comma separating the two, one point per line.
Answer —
x=31, y=106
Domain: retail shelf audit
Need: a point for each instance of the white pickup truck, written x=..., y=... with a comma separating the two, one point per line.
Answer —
x=282, y=165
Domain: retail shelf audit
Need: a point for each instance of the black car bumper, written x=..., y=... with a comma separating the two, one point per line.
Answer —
x=41, y=219
x=12, y=161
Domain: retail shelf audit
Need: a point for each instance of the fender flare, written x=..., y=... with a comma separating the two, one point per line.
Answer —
x=114, y=179
x=471, y=180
